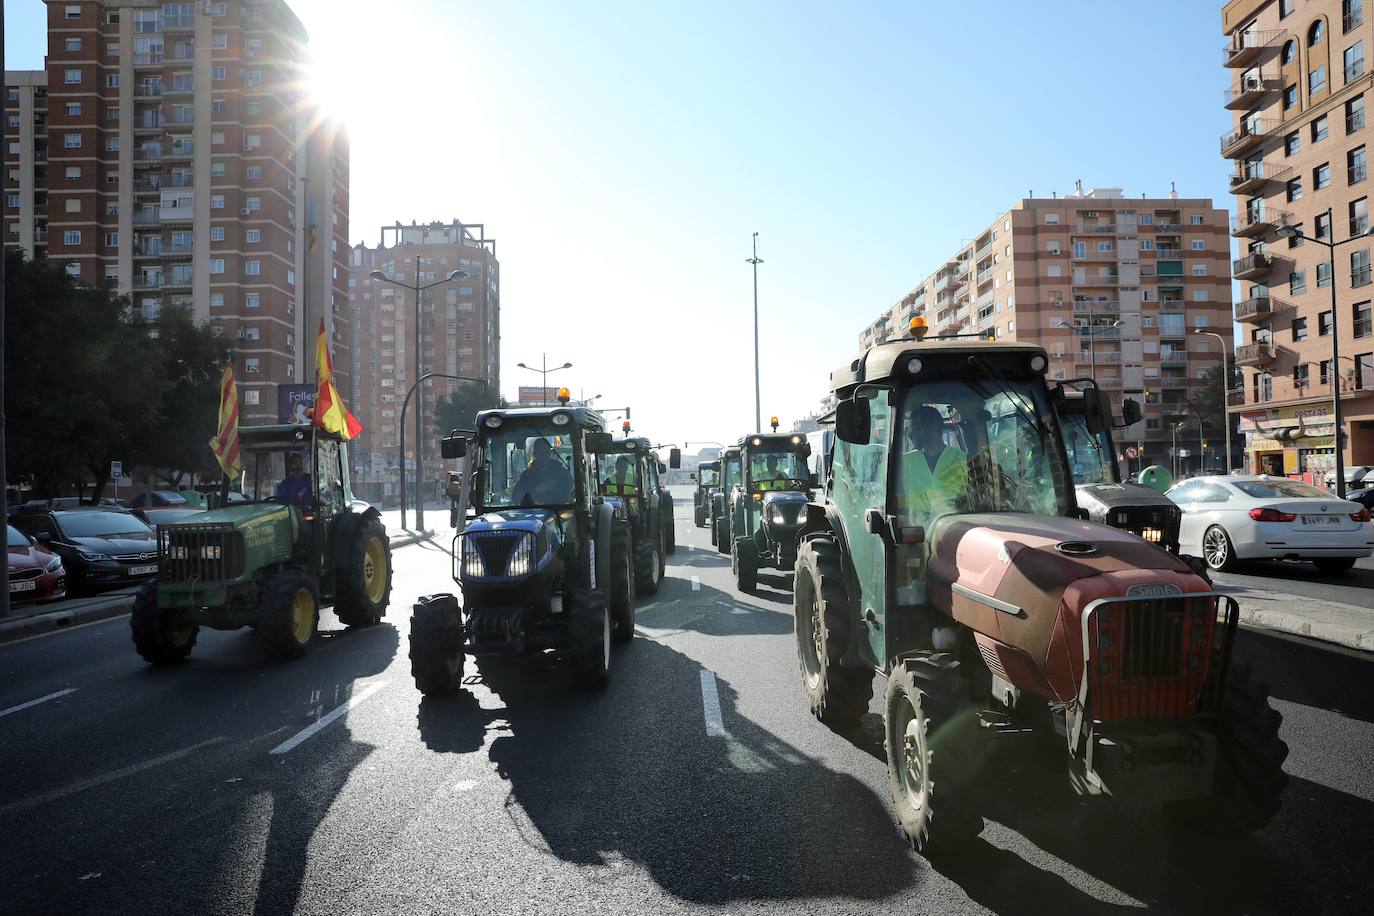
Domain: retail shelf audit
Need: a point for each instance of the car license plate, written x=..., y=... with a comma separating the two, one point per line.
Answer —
x=142, y=570
x=1321, y=519
x=24, y=586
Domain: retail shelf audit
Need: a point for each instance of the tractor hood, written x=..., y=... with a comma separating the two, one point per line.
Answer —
x=1023, y=581
x=531, y=520
x=508, y=547
x=783, y=497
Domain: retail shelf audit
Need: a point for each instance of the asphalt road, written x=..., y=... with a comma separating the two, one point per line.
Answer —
x=1355, y=586
x=159, y=791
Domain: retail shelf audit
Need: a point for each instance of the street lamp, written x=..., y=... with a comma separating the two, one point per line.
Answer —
x=1091, y=330
x=1225, y=394
x=381, y=277
x=544, y=371
x=1293, y=232
x=756, y=261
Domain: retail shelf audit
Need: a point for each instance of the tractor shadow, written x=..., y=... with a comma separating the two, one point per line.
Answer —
x=629, y=774
x=712, y=612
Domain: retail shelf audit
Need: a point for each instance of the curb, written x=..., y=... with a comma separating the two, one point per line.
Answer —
x=37, y=624
x=1340, y=634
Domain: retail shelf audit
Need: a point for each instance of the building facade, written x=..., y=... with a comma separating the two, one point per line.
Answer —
x=1112, y=287
x=1300, y=83
x=459, y=326
x=179, y=162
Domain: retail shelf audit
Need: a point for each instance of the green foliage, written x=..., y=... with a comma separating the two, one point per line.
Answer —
x=88, y=382
x=1210, y=396
x=457, y=410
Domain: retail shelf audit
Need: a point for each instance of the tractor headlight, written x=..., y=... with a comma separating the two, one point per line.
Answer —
x=521, y=557
x=179, y=552
x=801, y=516
x=777, y=518
x=211, y=552
x=473, y=567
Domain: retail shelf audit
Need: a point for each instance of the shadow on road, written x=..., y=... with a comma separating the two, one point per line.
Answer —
x=713, y=612
x=1311, y=674
x=630, y=773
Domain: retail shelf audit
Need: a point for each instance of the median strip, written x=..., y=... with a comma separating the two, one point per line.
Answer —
x=319, y=724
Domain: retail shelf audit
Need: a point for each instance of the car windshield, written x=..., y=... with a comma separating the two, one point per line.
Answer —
x=775, y=468
x=17, y=538
x=527, y=462
x=978, y=446
x=101, y=524
x=708, y=477
x=1272, y=489
x=1089, y=460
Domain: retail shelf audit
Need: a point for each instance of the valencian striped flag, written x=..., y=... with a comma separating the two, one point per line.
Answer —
x=225, y=442
x=330, y=412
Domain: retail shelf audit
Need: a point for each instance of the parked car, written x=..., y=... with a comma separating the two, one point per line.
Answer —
x=1364, y=497
x=1251, y=517
x=36, y=574
x=1358, y=477
x=68, y=502
x=157, y=499
x=99, y=546
x=169, y=515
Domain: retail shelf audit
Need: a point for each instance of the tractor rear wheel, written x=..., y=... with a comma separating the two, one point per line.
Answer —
x=648, y=566
x=825, y=625
x=289, y=615
x=589, y=637
x=158, y=634
x=1249, y=777
x=365, y=579
x=933, y=742
x=744, y=559
x=436, y=645
x=715, y=529
x=622, y=596
x=722, y=540
x=669, y=523
x=700, y=517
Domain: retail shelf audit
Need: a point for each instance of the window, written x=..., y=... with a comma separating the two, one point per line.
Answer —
x=74, y=270
x=217, y=170
x=252, y=268
x=1321, y=176
x=1195, y=219
x=1300, y=375
x=1297, y=282
x=1354, y=114
x=1320, y=129
x=252, y=141
x=73, y=172
x=1352, y=15
x=1324, y=274
x=217, y=73
x=73, y=110
x=1361, y=319
x=252, y=236
x=1290, y=52
x=1286, y=9
x=1199, y=270
x=250, y=364
x=250, y=397
x=1357, y=170
x=290, y=278
x=251, y=300
x=216, y=300
x=253, y=109
x=255, y=13
x=111, y=239
x=217, y=265
x=1359, y=216
x=1145, y=245
x=1294, y=190
x=1324, y=372
x=1051, y=219
x=1102, y=247
x=112, y=144
x=71, y=141
x=112, y=113
x=1316, y=80
x=1200, y=295
x=1324, y=323
x=253, y=204
x=1199, y=244
x=1354, y=61
x=253, y=173
x=216, y=201
x=1323, y=225
x=216, y=233
x=217, y=138
x=71, y=237
x=1291, y=144
x=252, y=77
x=72, y=11
x=72, y=205
x=1359, y=267
x=1290, y=96
x=1299, y=329
x=71, y=77
x=71, y=44
x=1316, y=33
x=112, y=81
x=252, y=333
x=219, y=40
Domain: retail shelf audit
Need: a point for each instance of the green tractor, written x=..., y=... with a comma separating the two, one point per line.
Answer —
x=950, y=555
x=299, y=541
x=769, y=509
x=720, y=499
x=543, y=561
x=628, y=478
x=706, y=478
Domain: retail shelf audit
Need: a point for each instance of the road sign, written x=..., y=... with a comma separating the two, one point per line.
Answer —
x=1184, y=453
x=1131, y=452
x=116, y=469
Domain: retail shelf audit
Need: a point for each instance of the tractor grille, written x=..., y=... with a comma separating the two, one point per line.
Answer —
x=1158, y=657
x=1156, y=524
x=493, y=555
x=188, y=554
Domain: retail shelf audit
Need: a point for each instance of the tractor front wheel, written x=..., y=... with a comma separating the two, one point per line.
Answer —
x=159, y=636
x=744, y=559
x=722, y=540
x=648, y=566
x=825, y=625
x=700, y=517
x=365, y=579
x=589, y=637
x=436, y=644
x=934, y=750
x=623, y=575
x=669, y=527
x=289, y=615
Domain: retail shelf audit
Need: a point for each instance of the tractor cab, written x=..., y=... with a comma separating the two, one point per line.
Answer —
x=731, y=476
x=769, y=508
x=628, y=475
x=707, y=479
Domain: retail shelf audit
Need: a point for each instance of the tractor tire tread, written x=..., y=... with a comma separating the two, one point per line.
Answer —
x=584, y=651
x=147, y=630
x=274, y=614
x=842, y=695
x=436, y=628
x=353, y=607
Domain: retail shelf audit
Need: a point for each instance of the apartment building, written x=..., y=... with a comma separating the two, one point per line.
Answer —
x=1129, y=291
x=460, y=331
x=168, y=150
x=1300, y=83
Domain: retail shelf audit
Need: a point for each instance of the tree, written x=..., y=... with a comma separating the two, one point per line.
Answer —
x=190, y=365
x=1209, y=400
x=457, y=409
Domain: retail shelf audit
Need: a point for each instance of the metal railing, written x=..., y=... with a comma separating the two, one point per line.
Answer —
x=1166, y=228
x=1174, y=358
x=148, y=59
x=1352, y=20
x=1251, y=262
x=148, y=91
x=144, y=282
x=1259, y=218
x=1360, y=276
x=1354, y=122
x=1359, y=225
x=1250, y=172
x=1169, y=254
x=1254, y=307
x=1096, y=305
x=1246, y=45
x=1092, y=228
x=1249, y=87
x=1356, y=173
x=1260, y=350
x=1354, y=71
x=145, y=218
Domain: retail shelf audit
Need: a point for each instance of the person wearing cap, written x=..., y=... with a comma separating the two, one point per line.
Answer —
x=546, y=481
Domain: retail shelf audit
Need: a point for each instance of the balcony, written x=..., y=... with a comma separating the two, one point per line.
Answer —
x=177, y=280
x=1246, y=47
x=152, y=248
x=146, y=154
x=182, y=117
x=147, y=281
x=1259, y=222
x=1088, y=307
x=179, y=89
x=1251, y=266
x=1173, y=358
x=1253, y=176
x=147, y=185
x=146, y=218
x=1087, y=255
x=1169, y=253
x=151, y=122
x=1170, y=281
x=179, y=250
x=983, y=252
x=1174, y=383
x=1284, y=390
x=182, y=151
x=176, y=23
x=1260, y=353
x=178, y=181
x=1248, y=135
x=148, y=59
x=1102, y=357
x=984, y=274
x=148, y=91
x=176, y=214
x=1095, y=228
x=1166, y=228
x=1256, y=309
x=1250, y=91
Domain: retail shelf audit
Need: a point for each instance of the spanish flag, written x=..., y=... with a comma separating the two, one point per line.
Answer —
x=225, y=443
x=330, y=412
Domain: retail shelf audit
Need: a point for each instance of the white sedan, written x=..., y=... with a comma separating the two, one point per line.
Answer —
x=1239, y=517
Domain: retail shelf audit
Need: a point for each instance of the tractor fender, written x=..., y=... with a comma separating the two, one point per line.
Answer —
x=825, y=519
x=604, y=521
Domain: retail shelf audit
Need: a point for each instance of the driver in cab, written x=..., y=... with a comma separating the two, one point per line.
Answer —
x=772, y=478
x=621, y=482
x=294, y=489
x=934, y=474
x=546, y=481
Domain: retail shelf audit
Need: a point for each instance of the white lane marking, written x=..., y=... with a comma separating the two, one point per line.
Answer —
x=51, y=696
x=710, y=704
x=696, y=584
x=325, y=719
x=60, y=630
x=85, y=784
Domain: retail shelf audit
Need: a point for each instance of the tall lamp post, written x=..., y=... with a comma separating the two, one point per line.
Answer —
x=401, y=449
x=381, y=277
x=1225, y=393
x=1293, y=232
x=756, y=261
x=1090, y=331
x=544, y=370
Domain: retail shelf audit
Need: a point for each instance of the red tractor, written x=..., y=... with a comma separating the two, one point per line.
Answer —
x=950, y=555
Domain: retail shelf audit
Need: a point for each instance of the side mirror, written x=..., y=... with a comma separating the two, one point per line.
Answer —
x=1131, y=413
x=453, y=446
x=852, y=420
x=1097, y=410
x=598, y=443
x=674, y=458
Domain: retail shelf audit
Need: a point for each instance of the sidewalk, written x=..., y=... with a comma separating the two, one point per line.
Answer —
x=1342, y=624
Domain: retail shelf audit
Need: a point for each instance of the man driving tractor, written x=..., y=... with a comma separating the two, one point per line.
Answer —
x=294, y=489
x=546, y=480
x=934, y=475
x=621, y=482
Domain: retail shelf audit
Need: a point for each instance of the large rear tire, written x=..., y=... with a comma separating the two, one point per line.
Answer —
x=436, y=645
x=699, y=516
x=589, y=637
x=933, y=741
x=289, y=616
x=622, y=596
x=365, y=579
x=744, y=560
x=158, y=634
x=669, y=523
x=826, y=626
x=648, y=566
x=722, y=535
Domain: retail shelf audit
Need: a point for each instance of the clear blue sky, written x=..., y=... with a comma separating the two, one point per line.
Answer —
x=622, y=153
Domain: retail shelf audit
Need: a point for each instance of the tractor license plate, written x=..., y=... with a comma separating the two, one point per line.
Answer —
x=1321, y=519
x=142, y=570
x=23, y=586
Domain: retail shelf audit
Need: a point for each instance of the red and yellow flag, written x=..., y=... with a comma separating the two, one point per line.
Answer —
x=225, y=442
x=330, y=412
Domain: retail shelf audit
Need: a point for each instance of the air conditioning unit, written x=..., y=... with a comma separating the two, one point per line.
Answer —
x=1252, y=84
x=239, y=333
x=245, y=212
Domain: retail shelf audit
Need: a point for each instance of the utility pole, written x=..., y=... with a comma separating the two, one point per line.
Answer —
x=758, y=410
x=4, y=476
